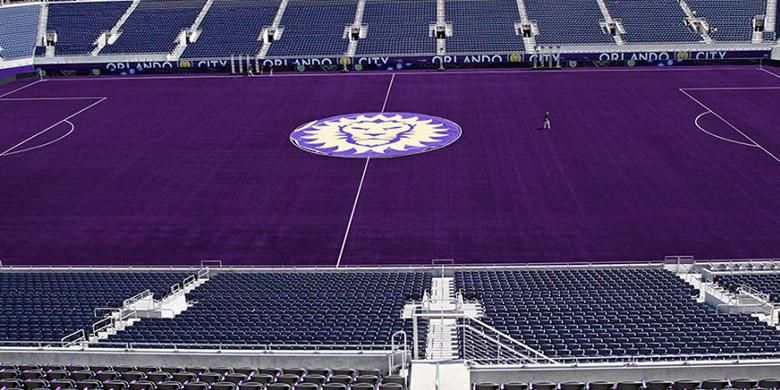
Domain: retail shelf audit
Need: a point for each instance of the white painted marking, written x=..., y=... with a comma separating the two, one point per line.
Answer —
x=696, y=122
x=6, y=152
x=55, y=98
x=360, y=186
x=387, y=95
x=72, y=128
x=352, y=214
x=731, y=125
x=727, y=88
x=771, y=73
x=21, y=88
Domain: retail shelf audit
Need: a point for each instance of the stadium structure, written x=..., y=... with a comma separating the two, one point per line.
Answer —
x=389, y=195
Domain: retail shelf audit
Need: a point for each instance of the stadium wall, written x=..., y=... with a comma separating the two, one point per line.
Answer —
x=9, y=75
x=187, y=358
x=130, y=66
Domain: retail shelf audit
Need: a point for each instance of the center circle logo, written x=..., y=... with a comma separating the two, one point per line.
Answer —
x=375, y=135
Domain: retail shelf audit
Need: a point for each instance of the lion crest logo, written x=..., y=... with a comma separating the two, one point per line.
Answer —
x=382, y=135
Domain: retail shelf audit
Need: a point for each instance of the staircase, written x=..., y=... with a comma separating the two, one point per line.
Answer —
x=191, y=34
x=358, y=22
x=771, y=16
x=610, y=22
x=108, y=38
x=700, y=24
x=43, y=19
x=529, y=42
x=441, y=44
x=745, y=300
x=442, y=343
x=143, y=305
x=275, y=27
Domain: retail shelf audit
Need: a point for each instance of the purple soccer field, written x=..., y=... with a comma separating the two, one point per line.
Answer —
x=167, y=170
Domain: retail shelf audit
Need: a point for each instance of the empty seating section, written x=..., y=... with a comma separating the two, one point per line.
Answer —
x=71, y=376
x=336, y=309
x=567, y=21
x=78, y=25
x=232, y=27
x=18, y=31
x=314, y=28
x=45, y=306
x=154, y=26
x=766, y=283
x=592, y=314
x=652, y=21
x=398, y=27
x=730, y=20
x=483, y=26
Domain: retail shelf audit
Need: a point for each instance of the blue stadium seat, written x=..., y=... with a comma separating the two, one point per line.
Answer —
x=18, y=31
x=567, y=22
x=598, y=313
x=398, y=27
x=78, y=25
x=154, y=26
x=48, y=305
x=314, y=28
x=652, y=21
x=232, y=27
x=730, y=20
x=251, y=310
x=483, y=26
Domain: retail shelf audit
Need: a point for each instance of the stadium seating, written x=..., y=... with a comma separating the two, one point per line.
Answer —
x=599, y=313
x=766, y=283
x=652, y=21
x=78, y=25
x=69, y=376
x=314, y=28
x=18, y=31
x=154, y=26
x=732, y=20
x=483, y=26
x=232, y=27
x=256, y=309
x=398, y=27
x=567, y=21
x=48, y=305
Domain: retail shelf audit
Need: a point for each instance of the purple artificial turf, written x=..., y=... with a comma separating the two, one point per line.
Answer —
x=174, y=170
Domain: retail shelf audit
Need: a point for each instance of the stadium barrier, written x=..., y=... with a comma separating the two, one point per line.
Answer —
x=249, y=65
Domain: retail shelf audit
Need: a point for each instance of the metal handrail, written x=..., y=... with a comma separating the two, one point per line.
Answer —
x=500, y=346
x=95, y=310
x=68, y=340
x=395, y=348
x=538, y=354
x=102, y=325
x=628, y=359
x=137, y=297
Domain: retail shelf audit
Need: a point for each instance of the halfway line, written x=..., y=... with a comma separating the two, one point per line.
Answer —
x=360, y=186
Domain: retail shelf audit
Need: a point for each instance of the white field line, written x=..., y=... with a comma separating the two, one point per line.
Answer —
x=731, y=125
x=7, y=151
x=696, y=122
x=360, y=186
x=21, y=88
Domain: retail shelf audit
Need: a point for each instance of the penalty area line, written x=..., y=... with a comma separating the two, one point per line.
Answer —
x=756, y=144
x=9, y=151
x=360, y=186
